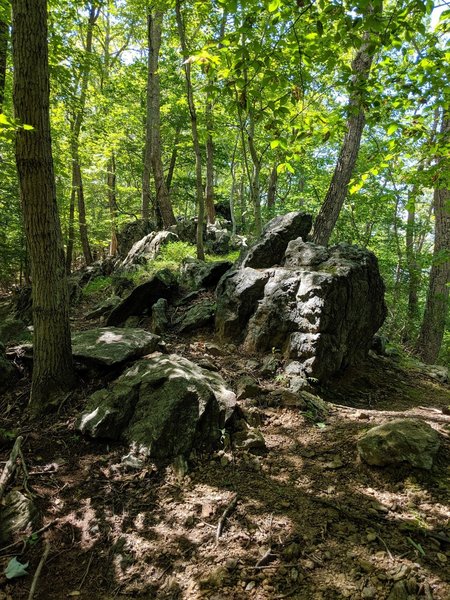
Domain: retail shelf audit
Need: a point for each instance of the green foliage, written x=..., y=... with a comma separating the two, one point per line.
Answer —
x=97, y=285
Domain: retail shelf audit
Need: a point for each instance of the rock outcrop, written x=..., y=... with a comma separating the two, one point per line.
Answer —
x=147, y=248
x=400, y=441
x=319, y=306
x=143, y=297
x=166, y=404
x=112, y=346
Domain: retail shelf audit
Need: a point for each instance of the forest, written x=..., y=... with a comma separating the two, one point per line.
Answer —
x=224, y=299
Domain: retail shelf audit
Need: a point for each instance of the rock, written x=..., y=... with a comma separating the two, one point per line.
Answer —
x=270, y=249
x=237, y=294
x=270, y=364
x=197, y=274
x=378, y=344
x=437, y=372
x=143, y=297
x=286, y=398
x=111, y=346
x=321, y=315
x=368, y=592
x=247, y=387
x=17, y=512
x=160, y=321
x=400, y=441
x=200, y=315
x=104, y=307
x=398, y=592
x=186, y=230
x=252, y=440
x=147, y=248
x=131, y=233
x=214, y=349
x=166, y=404
x=217, y=239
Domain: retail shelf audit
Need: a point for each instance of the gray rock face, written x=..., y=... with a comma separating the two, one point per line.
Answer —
x=160, y=321
x=270, y=249
x=147, y=248
x=200, y=315
x=167, y=404
x=321, y=308
x=197, y=274
x=400, y=441
x=111, y=346
x=131, y=233
x=142, y=298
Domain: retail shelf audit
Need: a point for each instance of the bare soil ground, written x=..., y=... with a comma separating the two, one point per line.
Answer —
x=310, y=521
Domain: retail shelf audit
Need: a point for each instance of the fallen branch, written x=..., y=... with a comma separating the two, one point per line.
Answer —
x=10, y=466
x=87, y=571
x=39, y=569
x=231, y=506
x=265, y=558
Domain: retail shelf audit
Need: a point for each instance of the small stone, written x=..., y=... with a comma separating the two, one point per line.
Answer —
x=441, y=558
x=368, y=592
x=250, y=586
x=336, y=463
x=371, y=536
x=366, y=565
x=398, y=591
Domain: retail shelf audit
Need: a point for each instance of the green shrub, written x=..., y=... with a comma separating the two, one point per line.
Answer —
x=97, y=285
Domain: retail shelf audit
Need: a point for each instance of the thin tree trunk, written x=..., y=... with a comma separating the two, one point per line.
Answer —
x=52, y=355
x=94, y=11
x=255, y=191
x=337, y=191
x=71, y=229
x=272, y=189
x=173, y=158
x=112, y=203
x=4, y=30
x=195, y=138
x=436, y=308
x=209, y=191
x=154, y=118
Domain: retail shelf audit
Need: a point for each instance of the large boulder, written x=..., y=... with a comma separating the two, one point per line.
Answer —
x=147, y=248
x=201, y=314
x=270, y=248
x=111, y=346
x=166, y=404
x=401, y=441
x=321, y=307
x=142, y=298
x=132, y=232
x=196, y=274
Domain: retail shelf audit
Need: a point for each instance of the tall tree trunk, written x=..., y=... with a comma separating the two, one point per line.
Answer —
x=255, y=190
x=337, y=191
x=272, y=189
x=112, y=203
x=411, y=261
x=4, y=29
x=71, y=229
x=173, y=158
x=195, y=138
x=163, y=203
x=437, y=304
x=52, y=355
x=94, y=11
x=209, y=191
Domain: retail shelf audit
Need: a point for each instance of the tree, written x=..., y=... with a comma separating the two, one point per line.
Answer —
x=436, y=309
x=195, y=136
x=334, y=199
x=52, y=355
x=4, y=28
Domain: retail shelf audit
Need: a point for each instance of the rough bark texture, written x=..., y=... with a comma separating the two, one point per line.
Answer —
x=154, y=119
x=337, y=191
x=112, y=203
x=195, y=139
x=173, y=159
x=436, y=309
x=71, y=229
x=3, y=55
x=272, y=189
x=52, y=364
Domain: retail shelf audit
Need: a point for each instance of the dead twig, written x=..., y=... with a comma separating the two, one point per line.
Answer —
x=265, y=558
x=231, y=506
x=83, y=579
x=39, y=569
x=25, y=473
x=10, y=465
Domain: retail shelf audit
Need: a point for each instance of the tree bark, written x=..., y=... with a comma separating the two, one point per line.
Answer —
x=173, y=158
x=195, y=138
x=154, y=118
x=4, y=30
x=52, y=355
x=272, y=189
x=71, y=229
x=112, y=203
x=437, y=304
x=337, y=191
x=209, y=190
